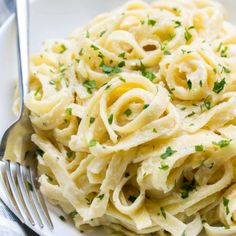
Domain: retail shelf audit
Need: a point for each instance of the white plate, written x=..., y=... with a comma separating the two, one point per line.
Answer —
x=49, y=20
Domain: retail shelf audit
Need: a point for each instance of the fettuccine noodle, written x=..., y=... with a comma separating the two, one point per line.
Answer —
x=134, y=117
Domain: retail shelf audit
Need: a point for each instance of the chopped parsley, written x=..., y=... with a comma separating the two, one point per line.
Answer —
x=128, y=112
x=219, y=86
x=199, y=148
x=122, y=55
x=62, y=218
x=145, y=106
x=226, y=226
x=29, y=185
x=102, y=33
x=100, y=54
x=70, y=154
x=77, y=60
x=121, y=64
x=164, y=49
x=63, y=48
x=107, y=87
x=122, y=79
x=166, y=52
x=207, y=104
x=132, y=198
x=110, y=69
x=92, y=143
x=89, y=201
x=177, y=24
x=91, y=120
x=154, y=130
x=89, y=85
x=94, y=47
x=189, y=83
x=188, y=187
x=223, y=143
x=224, y=69
x=163, y=166
x=184, y=51
x=187, y=34
x=151, y=22
x=69, y=111
x=101, y=196
x=168, y=152
x=52, y=82
x=110, y=119
x=190, y=114
x=49, y=177
x=226, y=205
x=224, y=51
x=200, y=83
x=36, y=92
x=163, y=212
x=72, y=214
x=148, y=74
x=81, y=52
x=219, y=47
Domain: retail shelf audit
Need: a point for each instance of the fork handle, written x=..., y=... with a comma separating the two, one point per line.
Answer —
x=22, y=30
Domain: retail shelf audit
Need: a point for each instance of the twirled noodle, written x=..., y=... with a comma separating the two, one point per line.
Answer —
x=134, y=118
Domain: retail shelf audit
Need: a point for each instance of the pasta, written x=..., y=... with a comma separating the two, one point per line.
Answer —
x=134, y=119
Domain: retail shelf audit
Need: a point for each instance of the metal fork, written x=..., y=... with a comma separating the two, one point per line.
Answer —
x=19, y=188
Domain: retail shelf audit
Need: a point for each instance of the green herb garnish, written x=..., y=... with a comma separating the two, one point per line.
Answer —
x=151, y=22
x=72, y=214
x=189, y=83
x=128, y=112
x=110, y=119
x=163, y=166
x=168, y=152
x=219, y=86
x=89, y=85
x=69, y=111
x=163, y=212
x=92, y=143
x=94, y=47
x=122, y=55
x=110, y=69
x=91, y=120
x=223, y=143
x=148, y=74
x=226, y=205
x=101, y=196
x=199, y=148
x=188, y=187
x=29, y=185
x=63, y=48
x=177, y=24
x=62, y=218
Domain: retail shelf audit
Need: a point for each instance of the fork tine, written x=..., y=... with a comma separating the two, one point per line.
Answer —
x=6, y=191
x=38, y=199
x=25, y=191
x=16, y=194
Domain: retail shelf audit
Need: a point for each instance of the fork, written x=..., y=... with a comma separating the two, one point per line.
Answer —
x=18, y=186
